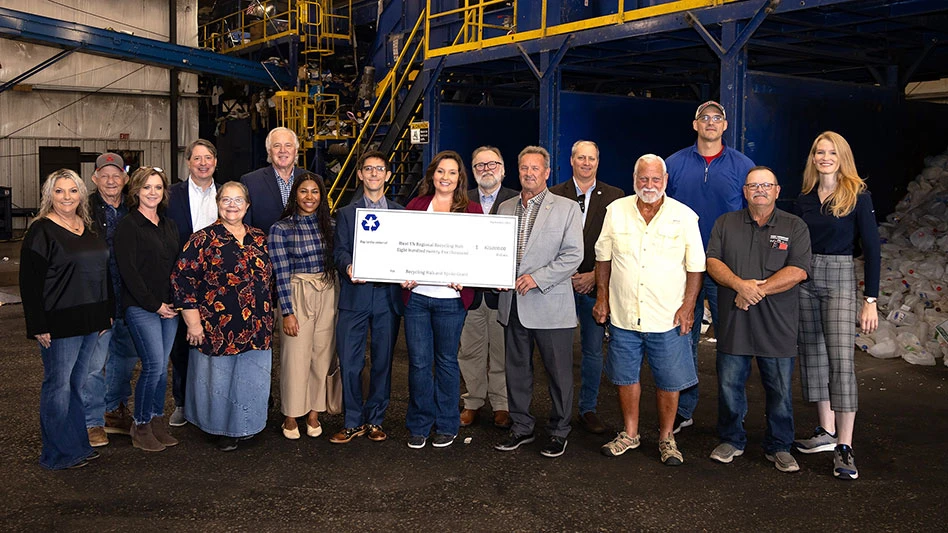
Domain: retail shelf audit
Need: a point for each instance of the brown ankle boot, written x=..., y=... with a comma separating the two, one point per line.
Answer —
x=144, y=438
x=160, y=429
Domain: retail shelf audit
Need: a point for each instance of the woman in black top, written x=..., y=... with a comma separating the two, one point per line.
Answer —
x=65, y=288
x=146, y=247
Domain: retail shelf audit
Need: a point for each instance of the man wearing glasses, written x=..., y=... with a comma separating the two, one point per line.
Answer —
x=481, y=353
x=758, y=256
x=592, y=196
x=364, y=306
x=707, y=177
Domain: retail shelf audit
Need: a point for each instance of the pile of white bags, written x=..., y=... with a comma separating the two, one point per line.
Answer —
x=913, y=299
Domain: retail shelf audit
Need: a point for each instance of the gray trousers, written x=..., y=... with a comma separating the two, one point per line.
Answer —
x=481, y=359
x=556, y=351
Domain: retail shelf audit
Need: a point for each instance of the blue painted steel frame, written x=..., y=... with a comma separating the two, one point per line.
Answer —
x=22, y=26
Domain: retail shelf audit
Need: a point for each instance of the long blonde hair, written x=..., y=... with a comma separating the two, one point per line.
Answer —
x=46, y=199
x=848, y=183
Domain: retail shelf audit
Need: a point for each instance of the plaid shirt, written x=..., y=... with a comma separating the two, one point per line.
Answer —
x=296, y=246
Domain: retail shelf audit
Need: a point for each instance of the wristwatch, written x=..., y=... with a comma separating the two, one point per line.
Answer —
x=871, y=299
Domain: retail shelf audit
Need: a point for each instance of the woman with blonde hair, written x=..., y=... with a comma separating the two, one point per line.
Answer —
x=64, y=284
x=838, y=211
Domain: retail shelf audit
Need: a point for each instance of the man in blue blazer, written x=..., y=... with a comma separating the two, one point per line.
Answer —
x=362, y=306
x=269, y=187
x=192, y=204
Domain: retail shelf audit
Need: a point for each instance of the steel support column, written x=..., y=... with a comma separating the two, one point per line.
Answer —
x=549, y=109
x=173, y=89
x=432, y=110
x=733, y=78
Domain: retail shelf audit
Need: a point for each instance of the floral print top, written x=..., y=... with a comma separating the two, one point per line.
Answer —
x=230, y=283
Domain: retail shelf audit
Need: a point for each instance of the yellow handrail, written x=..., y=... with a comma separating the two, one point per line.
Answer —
x=472, y=13
x=388, y=90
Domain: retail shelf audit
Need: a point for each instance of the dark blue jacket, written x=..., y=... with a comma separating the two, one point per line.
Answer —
x=709, y=190
x=357, y=296
x=266, y=204
x=179, y=210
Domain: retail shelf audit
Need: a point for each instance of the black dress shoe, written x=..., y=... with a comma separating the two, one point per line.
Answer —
x=93, y=456
x=592, y=423
x=227, y=444
x=80, y=464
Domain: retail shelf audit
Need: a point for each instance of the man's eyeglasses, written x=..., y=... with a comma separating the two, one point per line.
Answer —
x=489, y=165
x=755, y=186
x=582, y=202
x=237, y=200
x=368, y=169
x=711, y=118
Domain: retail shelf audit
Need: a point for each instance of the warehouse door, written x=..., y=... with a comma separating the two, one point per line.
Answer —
x=53, y=158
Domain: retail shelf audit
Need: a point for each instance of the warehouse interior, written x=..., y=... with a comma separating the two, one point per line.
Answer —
x=144, y=78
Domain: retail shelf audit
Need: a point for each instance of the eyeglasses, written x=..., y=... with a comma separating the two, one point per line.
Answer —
x=711, y=118
x=755, y=186
x=489, y=165
x=368, y=169
x=237, y=200
x=582, y=202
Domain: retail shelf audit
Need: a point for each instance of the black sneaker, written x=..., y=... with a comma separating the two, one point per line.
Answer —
x=442, y=440
x=227, y=444
x=513, y=441
x=93, y=456
x=554, y=448
x=417, y=442
x=681, y=422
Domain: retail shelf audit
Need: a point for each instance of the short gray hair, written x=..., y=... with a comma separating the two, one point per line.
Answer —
x=647, y=158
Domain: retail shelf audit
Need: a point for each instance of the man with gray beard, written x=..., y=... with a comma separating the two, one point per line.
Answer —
x=481, y=354
x=649, y=264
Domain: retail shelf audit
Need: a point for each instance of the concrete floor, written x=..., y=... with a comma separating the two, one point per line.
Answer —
x=272, y=484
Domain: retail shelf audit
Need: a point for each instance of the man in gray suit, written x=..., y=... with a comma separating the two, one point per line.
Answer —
x=541, y=309
x=481, y=354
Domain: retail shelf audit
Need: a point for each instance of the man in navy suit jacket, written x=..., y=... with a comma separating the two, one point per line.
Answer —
x=362, y=306
x=269, y=187
x=192, y=204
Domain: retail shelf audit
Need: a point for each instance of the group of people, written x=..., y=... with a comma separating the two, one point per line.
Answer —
x=202, y=274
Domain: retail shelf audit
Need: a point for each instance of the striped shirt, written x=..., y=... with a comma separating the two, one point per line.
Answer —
x=296, y=247
x=526, y=216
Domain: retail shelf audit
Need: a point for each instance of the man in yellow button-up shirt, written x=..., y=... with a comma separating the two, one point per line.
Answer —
x=649, y=264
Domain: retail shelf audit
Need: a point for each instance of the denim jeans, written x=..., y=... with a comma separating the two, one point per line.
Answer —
x=93, y=390
x=667, y=354
x=62, y=416
x=776, y=374
x=119, y=366
x=688, y=400
x=432, y=333
x=591, y=335
x=153, y=338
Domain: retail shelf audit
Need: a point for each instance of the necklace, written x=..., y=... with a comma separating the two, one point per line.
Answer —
x=77, y=229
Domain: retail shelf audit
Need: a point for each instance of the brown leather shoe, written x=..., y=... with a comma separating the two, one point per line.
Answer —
x=97, y=437
x=144, y=439
x=468, y=416
x=159, y=429
x=502, y=419
x=347, y=434
x=119, y=421
x=592, y=423
x=376, y=433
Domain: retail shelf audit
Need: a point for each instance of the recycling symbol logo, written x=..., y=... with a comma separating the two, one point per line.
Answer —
x=370, y=222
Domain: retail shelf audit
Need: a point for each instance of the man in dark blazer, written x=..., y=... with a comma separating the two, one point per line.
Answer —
x=192, y=204
x=269, y=187
x=481, y=354
x=364, y=306
x=540, y=310
x=592, y=196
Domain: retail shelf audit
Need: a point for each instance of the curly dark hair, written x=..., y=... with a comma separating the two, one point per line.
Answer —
x=323, y=219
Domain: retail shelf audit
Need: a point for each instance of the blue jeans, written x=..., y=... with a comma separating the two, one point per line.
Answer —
x=93, y=390
x=776, y=374
x=153, y=338
x=62, y=416
x=119, y=366
x=688, y=400
x=591, y=335
x=432, y=333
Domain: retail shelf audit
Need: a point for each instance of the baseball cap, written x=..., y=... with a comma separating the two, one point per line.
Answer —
x=708, y=104
x=110, y=158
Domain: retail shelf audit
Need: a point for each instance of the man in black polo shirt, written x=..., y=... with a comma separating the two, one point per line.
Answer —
x=758, y=256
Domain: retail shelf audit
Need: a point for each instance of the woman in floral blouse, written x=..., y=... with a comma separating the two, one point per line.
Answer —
x=222, y=283
x=301, y=249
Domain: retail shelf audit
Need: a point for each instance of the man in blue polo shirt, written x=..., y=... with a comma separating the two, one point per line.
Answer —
x=707, y=177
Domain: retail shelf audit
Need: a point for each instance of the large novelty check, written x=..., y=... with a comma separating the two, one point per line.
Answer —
x=435, y=248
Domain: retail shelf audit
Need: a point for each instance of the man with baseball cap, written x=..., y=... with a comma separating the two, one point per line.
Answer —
x=107, y=387
x=708, y=177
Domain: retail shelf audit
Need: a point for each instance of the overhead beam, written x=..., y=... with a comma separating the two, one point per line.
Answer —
x=28, y=27
x=41, y=66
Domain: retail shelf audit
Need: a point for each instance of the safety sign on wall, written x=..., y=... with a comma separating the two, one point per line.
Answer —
x=419, y=132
